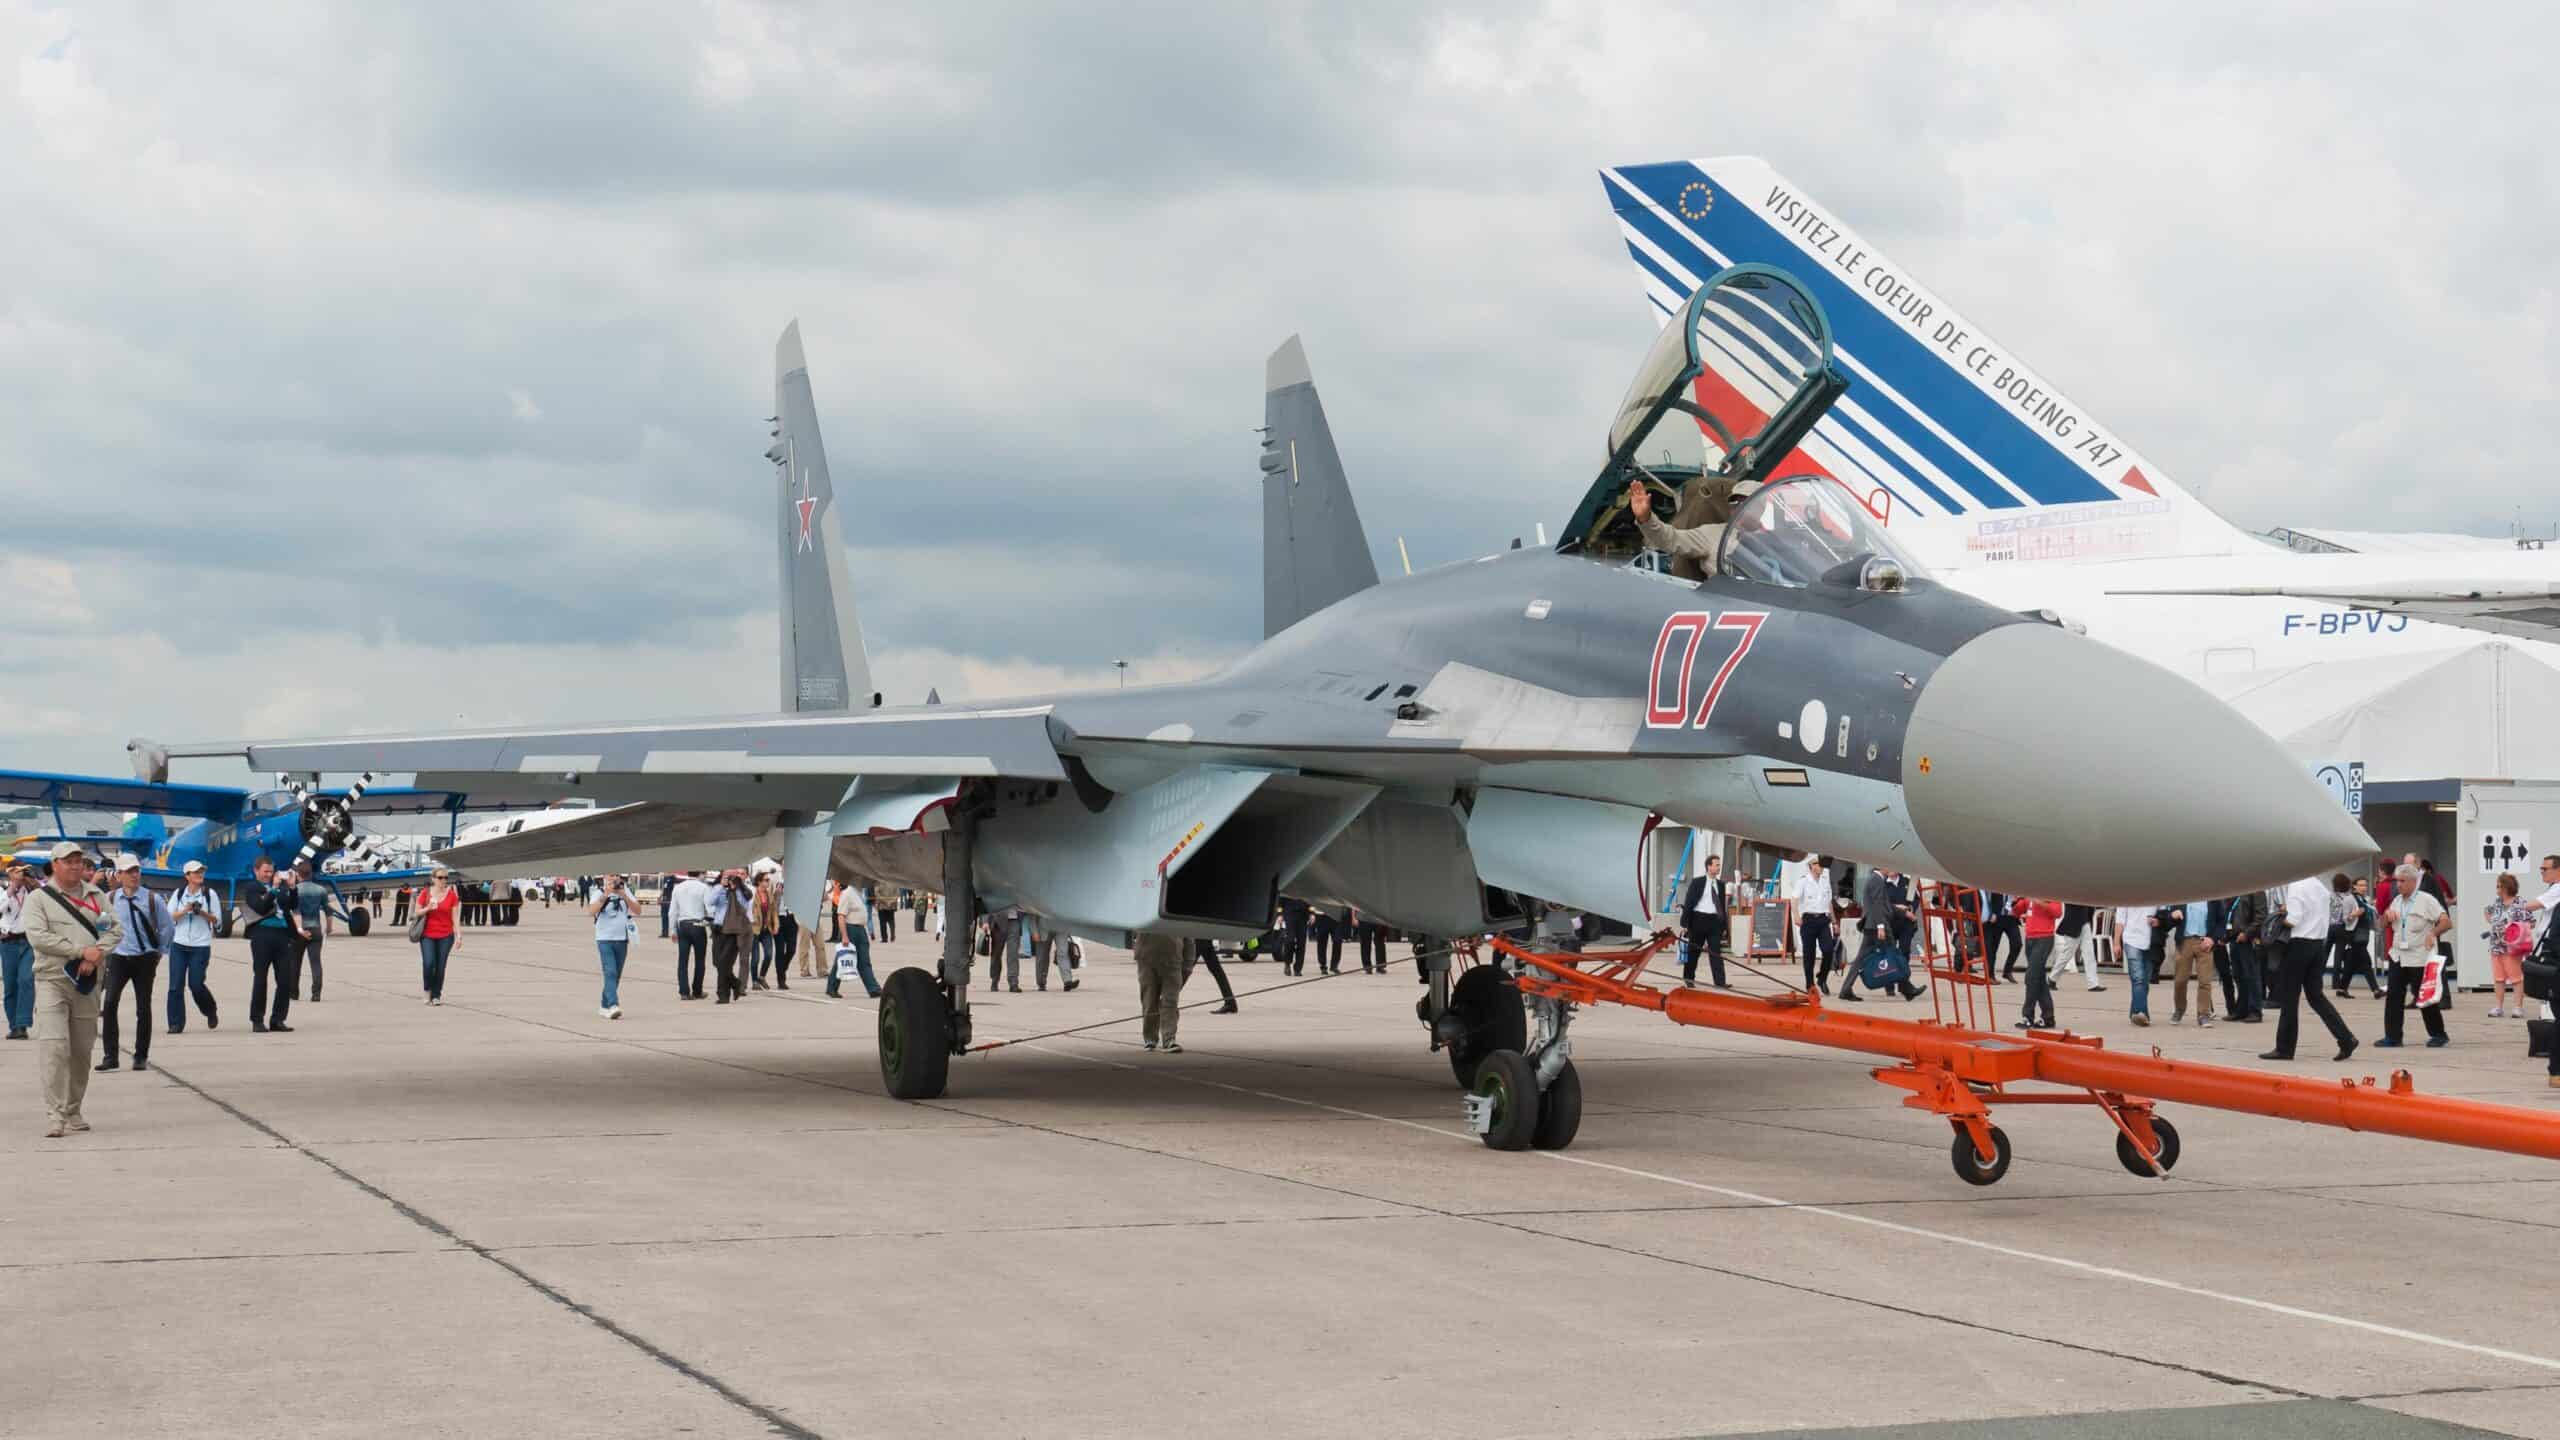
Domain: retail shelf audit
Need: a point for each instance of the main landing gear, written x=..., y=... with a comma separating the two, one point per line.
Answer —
x=924, y=1017
x=916, y=1022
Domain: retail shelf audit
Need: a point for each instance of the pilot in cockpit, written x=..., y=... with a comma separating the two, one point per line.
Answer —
x=1696, y=531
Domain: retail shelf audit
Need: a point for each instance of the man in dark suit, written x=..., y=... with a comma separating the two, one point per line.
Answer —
x=1998, y=923
x=1702, y=920
x=1294, y=918
x=1883, y=911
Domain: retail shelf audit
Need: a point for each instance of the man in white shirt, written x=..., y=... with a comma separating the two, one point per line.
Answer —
x=1814, y=938
x=853, y=908
x=195, y=913
x=2133, y=941
x=2306, y=946
x=690, y=908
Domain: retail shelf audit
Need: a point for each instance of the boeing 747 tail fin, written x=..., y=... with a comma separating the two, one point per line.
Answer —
x=1946, y=435
x=824, y=666
x=1313, y=549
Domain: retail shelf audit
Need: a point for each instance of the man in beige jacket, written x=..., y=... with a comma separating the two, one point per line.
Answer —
x=69, y=922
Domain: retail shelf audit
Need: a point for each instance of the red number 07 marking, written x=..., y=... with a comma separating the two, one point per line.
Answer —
x=1676, y=654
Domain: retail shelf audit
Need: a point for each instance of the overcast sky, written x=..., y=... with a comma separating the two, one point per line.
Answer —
x=381, y=366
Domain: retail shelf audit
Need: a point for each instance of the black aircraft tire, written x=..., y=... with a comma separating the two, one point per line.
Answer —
x=223, y=930
x=2130, y=1157
x=1508, y=1079
x=1969, y=1166
x=359, y=923
x=915, y=1035
x=1488, y=1010
x=1559, y=1111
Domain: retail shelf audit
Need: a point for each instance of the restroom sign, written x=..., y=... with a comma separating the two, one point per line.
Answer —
x=2505, y=852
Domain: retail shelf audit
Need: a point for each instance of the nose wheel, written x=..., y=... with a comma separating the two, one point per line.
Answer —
x=1508, y=1111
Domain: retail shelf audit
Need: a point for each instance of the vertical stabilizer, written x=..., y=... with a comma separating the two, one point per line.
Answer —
x=1968, y=456
x=1313, y=549
x=824, y=666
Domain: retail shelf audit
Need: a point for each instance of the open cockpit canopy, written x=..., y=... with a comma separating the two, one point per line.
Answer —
x=1738, y=375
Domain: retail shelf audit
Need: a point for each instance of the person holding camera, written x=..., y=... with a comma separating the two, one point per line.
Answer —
x=195, y=912
x=73, y=930
x=615, y=925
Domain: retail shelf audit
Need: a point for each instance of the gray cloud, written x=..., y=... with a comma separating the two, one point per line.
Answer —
x=415, y=334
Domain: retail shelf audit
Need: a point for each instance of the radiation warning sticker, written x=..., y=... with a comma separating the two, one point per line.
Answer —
x=1924, y=764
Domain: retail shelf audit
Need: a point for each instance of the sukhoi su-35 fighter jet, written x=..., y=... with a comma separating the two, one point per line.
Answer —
x=1441, y=749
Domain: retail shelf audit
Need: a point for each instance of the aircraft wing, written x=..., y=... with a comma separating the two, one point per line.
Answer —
x=767, y=762
x=2527, y=610
x=107, y=792
x=627, y=837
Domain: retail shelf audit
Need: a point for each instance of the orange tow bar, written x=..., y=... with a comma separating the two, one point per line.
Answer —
x=1960, y=1071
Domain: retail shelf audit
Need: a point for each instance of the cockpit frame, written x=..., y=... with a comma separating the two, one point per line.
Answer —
x=1790, y=333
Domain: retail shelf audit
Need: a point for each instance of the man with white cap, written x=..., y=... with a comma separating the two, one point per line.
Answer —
x=143, y=917
x=195, y=913
x=73, y=929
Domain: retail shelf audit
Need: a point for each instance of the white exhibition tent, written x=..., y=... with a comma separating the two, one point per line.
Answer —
x=2488, y=710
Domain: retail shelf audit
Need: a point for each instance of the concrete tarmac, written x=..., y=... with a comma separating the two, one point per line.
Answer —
x=508, y=1216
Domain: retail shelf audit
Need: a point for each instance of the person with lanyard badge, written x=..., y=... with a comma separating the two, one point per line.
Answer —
x=17, y=957
x=72, y=929
x=614, y=929
x=2418, y=923
x=144, y=918
x=195, y=912
x=434, y=926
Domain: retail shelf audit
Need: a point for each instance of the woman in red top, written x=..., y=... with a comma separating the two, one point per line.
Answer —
x=2038, y=917
x=436, y=910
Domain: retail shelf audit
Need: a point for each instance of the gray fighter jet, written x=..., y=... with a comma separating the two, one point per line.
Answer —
x=1440, y=750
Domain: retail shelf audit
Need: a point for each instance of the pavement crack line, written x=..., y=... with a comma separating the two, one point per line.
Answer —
x=1746, y=1276
x=1750, y=1199
x=774, y=1420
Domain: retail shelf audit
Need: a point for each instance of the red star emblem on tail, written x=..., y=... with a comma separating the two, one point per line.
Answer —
x=807, y=505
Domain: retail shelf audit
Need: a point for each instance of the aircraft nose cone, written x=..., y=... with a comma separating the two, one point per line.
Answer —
x=2040, y=762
